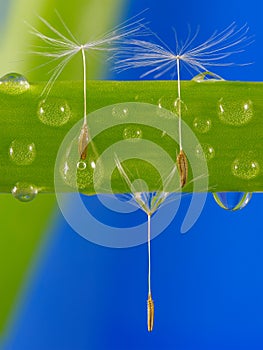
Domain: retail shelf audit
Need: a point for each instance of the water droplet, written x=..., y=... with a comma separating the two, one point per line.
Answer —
x=179, y=107
x=171, y=104
x=22, y=152
x=120, y=112
x=14, y=84
x=205, y=150
x=207, y=76
x=232, y=200
x=54, y=112
x=235, y=112
x=24, y=192
x=132, y=133
x=245, y=167
x=79, y=173
x=202, y=125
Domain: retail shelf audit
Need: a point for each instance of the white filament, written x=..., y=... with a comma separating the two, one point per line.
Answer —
x=62, y=48
x=84, y=84
x=149, y=254
x=179, y=102
x=160, y=58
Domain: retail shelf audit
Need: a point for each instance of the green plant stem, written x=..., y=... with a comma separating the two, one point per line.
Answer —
x=19, y=119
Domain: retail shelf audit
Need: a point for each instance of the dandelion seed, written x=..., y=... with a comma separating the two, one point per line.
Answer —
x=150, y=309
x=182, y=164
x=61, y=48
x=149, y=203
x=83, y=141
x=159, y=58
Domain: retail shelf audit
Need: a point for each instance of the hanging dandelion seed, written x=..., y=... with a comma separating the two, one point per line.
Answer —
x=149, y=203
x=160, y=59
x=63, y=47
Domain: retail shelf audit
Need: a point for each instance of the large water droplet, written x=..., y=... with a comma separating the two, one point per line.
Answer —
x=54, y=112
x=120, y=112
x=235, y=112
x=245, y=167
x=202, y=125
x=24, y=192
x=207, y=76
x=22, y=152
x=14, y=84
x=132, y=133
x=80, y=173
x=232, y=200
x=204, y=150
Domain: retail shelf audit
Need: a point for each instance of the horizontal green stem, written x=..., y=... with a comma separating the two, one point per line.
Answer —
x=226, y=117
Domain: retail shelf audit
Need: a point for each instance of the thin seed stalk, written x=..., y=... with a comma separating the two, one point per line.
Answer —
x=204, y=101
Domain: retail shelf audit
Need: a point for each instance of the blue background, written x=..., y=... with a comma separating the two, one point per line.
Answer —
x=207, y=284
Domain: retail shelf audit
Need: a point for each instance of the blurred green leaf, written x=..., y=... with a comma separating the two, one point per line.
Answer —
x=22, y=225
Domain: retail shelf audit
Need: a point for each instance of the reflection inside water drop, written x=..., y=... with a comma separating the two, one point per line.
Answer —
x=24, y=192
x=14, y=84
x=81, y=165
x=232, y=200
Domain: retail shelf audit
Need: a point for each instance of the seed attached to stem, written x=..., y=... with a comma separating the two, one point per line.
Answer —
x=83, y=142
x=181, y=158
x=158, y=58
x=182, y=164
x=63, y=47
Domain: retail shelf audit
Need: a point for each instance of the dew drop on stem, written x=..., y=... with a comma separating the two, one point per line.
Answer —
x=14, y=84
x=235, y=112
x=202, y=125
x=24, y=192
x=132, y=133
x=207, y=76
x=120, y=112
x=205, y=151
x=53, y=111
x=232, y=201
x=22, y=152
x=77, y=172
x=245, y=167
